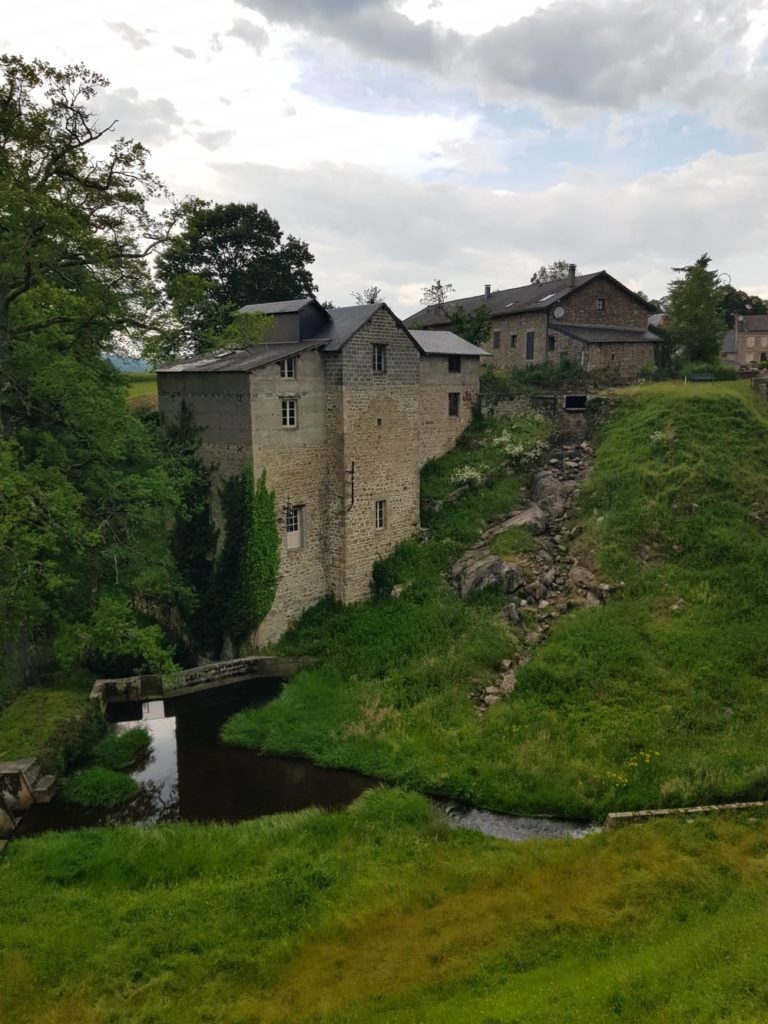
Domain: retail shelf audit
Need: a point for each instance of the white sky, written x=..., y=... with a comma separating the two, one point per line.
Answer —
x=573, y=133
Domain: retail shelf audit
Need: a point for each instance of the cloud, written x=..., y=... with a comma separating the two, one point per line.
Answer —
x=572, y=57
x=252, y=35
x=416, y=230
x=215, y=140
x=147, y=121
x=138, y=40
x=184, y=52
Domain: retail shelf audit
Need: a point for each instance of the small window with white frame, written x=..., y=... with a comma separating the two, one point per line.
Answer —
x=600, y=304
x=379, y=358
x=288, y=368
x=294, y=527
x=380, y=514
x=289, y=412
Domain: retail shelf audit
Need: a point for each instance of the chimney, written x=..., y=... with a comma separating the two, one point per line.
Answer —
x=487, y=291
x=571, y=275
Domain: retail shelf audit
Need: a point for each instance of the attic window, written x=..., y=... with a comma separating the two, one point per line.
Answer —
x=547, y=298
x=600, y=304
x=379, y=358
x=288, y=368
x=454, y=364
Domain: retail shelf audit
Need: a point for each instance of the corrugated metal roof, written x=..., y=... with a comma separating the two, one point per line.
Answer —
x=241, y=360
x=446, y=343
x=597, y=334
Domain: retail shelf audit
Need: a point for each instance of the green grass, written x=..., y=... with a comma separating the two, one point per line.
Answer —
x=99, y=787
x=512, y=543
x=36, y=719
x=382, y=914
x=142, y=390
x=659, y=698
x=121, y=751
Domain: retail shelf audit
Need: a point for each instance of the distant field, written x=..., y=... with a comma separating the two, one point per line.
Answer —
x=142, y=390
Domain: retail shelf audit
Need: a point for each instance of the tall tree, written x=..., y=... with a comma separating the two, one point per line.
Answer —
x=732, y=302
x=695, y=325
x=368, y=295
x=474, y=326
x=84, y=494
x=436, y=294
x=227, y=256
x=554, y=272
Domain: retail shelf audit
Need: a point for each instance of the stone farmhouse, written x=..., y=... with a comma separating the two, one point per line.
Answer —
x=589, y=320
x=746, y=344
x=341, y=408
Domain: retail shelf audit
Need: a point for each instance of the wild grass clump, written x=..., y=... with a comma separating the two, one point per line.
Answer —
x=55, y=726
x=382, y=914
x=122, y=751
x=99, y=787
x=513, y=542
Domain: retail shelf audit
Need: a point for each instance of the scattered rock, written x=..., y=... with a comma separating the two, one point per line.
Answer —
x=396, y=591
x=580, y=576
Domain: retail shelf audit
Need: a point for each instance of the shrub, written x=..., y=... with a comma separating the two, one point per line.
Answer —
x=122, y=751
x=99, y=787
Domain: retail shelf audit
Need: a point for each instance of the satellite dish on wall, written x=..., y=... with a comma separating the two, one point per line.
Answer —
x=558, y=312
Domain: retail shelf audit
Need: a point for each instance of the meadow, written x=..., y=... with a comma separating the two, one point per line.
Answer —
x=142, y=391
x=658, y=698
x=382, y=913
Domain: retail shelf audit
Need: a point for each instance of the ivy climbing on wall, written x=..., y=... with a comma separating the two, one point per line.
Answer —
x=246, y=569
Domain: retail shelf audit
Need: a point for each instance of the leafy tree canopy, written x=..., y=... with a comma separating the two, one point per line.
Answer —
x=474, y=326
x=226, y=256
x=695, y=325
x=554, y=272
x=84, y=491
x=732, y=302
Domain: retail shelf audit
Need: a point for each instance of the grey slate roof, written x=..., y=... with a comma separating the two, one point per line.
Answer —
x=241, y=360
x=510, y=300
x=756, y=322
x=597, y=334
x=345, y=320
x=446, y=343
x=287, y=306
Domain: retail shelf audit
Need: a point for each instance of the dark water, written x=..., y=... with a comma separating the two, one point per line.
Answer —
x=190, y=775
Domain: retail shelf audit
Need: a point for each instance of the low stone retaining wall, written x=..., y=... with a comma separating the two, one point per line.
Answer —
x=21, y=785
x=618, y=818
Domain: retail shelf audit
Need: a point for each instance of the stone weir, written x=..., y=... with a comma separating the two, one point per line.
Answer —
x=21, y=785
x=135, y=689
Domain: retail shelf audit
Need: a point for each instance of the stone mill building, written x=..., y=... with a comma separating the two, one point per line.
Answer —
x=341, y=408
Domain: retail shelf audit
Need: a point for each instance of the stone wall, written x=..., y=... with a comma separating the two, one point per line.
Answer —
x=619, y=361
x=438, y=431
x=508, y=356
x=380, y=419
x=297, y=461
x=621, y=308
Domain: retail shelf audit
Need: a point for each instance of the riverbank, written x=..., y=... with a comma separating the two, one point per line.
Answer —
x=655, y=698
x=382, y=913
x=53, y=726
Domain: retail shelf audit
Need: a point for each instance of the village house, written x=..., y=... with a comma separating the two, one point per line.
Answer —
x=587, y=320
x=341, y=408
x=746, y=344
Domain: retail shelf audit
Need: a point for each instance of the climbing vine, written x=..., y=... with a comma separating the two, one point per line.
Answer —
x=246, y=570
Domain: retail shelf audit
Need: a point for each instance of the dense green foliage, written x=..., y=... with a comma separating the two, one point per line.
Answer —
x=84, y=491
x=246, y=570
x=545, y=377
x=474, y=325
x=656, y=699
x=227, y=255
x=696, y=326
x=382, y=914
x=99, y=787
x=121, y=750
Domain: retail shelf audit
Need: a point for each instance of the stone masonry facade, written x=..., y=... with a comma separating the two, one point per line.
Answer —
x=347, y=472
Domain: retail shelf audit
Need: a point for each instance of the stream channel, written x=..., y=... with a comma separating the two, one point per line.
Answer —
x=188, y=774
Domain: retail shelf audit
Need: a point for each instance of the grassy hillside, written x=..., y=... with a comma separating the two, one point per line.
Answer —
x=142, y=390
x=659, y=698
x=380, y=914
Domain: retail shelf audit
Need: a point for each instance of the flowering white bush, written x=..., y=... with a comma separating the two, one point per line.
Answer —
x=519, y=451
x=467, y=475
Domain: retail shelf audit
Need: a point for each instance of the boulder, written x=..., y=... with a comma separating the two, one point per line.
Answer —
x=580, y=576
x=534, y=517
x=549, y=493
x=479, y=568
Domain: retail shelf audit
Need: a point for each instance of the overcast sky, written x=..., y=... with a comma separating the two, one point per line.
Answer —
x=441, y=138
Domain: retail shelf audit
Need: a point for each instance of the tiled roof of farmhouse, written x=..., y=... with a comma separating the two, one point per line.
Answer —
x=597, y=334
x=510, y=300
